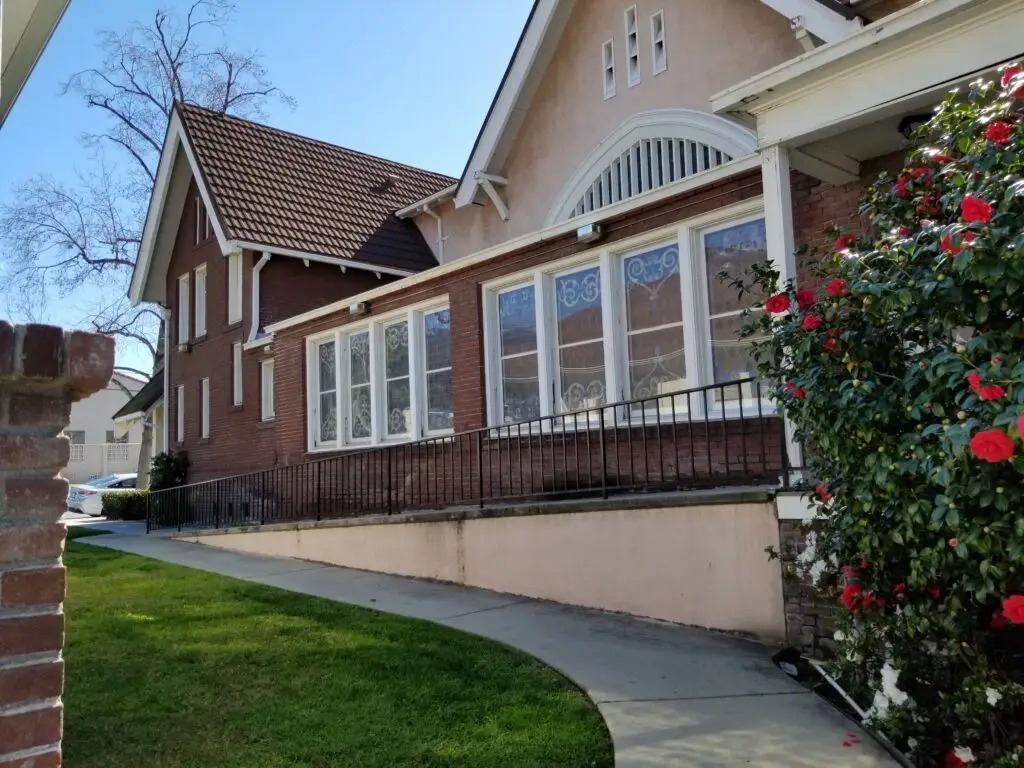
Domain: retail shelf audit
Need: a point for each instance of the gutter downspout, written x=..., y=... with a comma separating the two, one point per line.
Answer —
x=440, y=232
x=254, y=326
x=166, y=312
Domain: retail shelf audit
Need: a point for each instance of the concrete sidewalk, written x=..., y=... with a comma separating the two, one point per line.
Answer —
x=671, y=696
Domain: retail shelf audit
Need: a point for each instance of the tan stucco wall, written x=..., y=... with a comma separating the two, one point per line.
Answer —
x=710, y=46
x=702, y=565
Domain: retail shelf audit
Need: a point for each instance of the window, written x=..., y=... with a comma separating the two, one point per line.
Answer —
x=183, y=310
x=659, y=58
x=117, y=447
x=77, y=439
x=236, y=373
x=638, y=323
x=180, y=415
x=267, y=390
x=608, y=68
x=204, y=227
x=390, y=379
x=235, y=288
x=200, y=325
x=632, y=47
x=204, y=408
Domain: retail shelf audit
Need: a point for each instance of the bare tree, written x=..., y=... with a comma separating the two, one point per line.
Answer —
x=62, y=239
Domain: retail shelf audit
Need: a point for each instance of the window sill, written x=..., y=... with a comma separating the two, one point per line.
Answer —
x=235, y=407
x=348, y=447
x=266, y=423
x=232, y=325
x=199, y=340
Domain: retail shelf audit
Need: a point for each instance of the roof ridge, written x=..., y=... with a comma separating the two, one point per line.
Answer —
x=184, y=106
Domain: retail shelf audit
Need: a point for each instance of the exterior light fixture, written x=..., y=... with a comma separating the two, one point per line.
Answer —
x=589, y=233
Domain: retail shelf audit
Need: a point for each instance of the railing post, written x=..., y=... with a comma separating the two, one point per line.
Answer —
x=149, y=511
x=604, y=459
x=480, y=465
x=216, y=507
x=177, y=509
x=317, y=490
x=263, y=496
x=387, y=483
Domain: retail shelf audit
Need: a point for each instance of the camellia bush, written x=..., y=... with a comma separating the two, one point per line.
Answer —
x=904, y=378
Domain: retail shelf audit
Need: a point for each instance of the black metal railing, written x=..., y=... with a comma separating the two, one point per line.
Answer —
x=717, y=435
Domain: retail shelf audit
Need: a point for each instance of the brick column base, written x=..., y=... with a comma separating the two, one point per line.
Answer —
x=42, y=371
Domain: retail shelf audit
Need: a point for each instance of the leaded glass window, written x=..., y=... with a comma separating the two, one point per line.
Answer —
x=579, y=319
x=396, y=373
x=360, y=399
x=517, y=329
x=327, y=388
x=437, y=333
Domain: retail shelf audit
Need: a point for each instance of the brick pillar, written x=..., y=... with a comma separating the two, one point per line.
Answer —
x=42, y=371
x=467, y=354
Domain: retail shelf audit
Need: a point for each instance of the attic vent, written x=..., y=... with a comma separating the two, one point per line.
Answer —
x=646, y=165
x=386, y=185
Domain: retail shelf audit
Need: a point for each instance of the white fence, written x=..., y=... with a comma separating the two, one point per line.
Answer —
x=89, y=461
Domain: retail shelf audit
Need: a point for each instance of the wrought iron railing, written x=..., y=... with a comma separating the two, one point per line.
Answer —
x=722, y=434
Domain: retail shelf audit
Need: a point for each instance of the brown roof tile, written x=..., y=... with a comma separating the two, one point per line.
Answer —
x=278, y=189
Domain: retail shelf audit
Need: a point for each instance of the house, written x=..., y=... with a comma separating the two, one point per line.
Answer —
x=572, y=340
x=100, y=445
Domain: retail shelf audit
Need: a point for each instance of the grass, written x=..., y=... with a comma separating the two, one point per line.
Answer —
x=79, y=532
x=168, y=666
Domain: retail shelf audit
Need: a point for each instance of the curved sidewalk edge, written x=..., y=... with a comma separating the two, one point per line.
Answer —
x=671, y=696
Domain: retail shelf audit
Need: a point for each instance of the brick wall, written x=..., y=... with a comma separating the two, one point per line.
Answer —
x=42, y=370
x=810, y=616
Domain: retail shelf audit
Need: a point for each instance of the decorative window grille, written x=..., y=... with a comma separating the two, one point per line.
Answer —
x=632, y=47
x=608, y=68
x=396, y=374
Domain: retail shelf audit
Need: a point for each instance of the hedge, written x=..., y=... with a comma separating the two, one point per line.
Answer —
x=125, y=505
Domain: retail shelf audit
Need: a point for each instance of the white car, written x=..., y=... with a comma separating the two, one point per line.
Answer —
x=87, y=498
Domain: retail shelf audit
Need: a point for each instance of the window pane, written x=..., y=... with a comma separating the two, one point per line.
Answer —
x=437, y=327
x=517, y=320
x=653, y=295
x=582, y=376
x=578, y=296
x=328, y=367
x=733, y=250
x=359, y=354
x=731, y=356
x=520, y=389
x=399, y=415
x=396, y=350
x=439, y=400
x=328, y=417
x=657, y=364
x=361, y=412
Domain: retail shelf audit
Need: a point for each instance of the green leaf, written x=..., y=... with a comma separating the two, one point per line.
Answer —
x=952, y=517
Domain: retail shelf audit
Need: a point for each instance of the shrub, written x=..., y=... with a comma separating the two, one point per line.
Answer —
x=168, y=470
x=125, y=505
x=905, y=376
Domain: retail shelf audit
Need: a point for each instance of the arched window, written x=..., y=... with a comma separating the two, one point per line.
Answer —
x=648, y=151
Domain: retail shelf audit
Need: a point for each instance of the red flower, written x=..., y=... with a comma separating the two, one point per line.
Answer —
x=804, y=299
x=848, y=571
x=823, y=493
x=1008, y=74
x=917, y=173
x=1013, y=609
x=952, y=761
x=941, y=158
x=954, y=247
x=901, y=186
x=830, y=344
x=992, y=445
x=901, y=587
x=935, y=592
x=881, y=602
x=811, y=322
x=836, y=288
x=777, y=303
x=852, y=596
x=799, y=393
x=998, y=620
x=975, y=380
x=999, y=132
x=975, y=209
x=953, y=542
x=844, y=241
x=991, y=392
x=905, y=232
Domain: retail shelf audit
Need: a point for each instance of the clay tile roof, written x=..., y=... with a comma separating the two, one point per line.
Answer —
x=278, y=189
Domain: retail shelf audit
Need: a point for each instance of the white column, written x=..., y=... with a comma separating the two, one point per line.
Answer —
x=778, y=214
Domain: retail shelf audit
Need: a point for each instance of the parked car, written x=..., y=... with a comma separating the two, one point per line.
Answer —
x=87, y=498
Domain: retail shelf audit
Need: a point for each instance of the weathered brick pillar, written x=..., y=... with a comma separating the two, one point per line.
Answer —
x=42, y=371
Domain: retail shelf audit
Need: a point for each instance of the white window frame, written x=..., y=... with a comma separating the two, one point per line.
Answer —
x=658, y=38
x=236, y=374
x=204, y=409
x=200, y=209
x=200, y=320
x=421, y=383
x=608, y=67
x=267, y=390
x=374, y=327
x=184, y=309
x=631, y=22
x=180, y=414
x=688, y=234
x=234, y=287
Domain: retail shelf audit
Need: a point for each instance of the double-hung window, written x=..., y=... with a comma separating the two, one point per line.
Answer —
x=387, y=380
x=234, y=288
x=200, y=324
x=183, y=309
x=519, y=360
x=579, y=324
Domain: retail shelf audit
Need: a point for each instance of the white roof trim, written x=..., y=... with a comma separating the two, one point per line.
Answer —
x=715, y=175
x=365, y=266
x=416, y=208
x=176, y=137
x=547, y=17
x=722, y=134
x=820, y=21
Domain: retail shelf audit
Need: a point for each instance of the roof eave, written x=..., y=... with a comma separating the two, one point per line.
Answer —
x=438, y=198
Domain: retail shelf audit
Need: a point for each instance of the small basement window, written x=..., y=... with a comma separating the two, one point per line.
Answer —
x=608, y=67
x=659, y=58
x=632, y=48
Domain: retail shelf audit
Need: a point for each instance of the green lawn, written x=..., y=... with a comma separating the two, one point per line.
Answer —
x=168, y=666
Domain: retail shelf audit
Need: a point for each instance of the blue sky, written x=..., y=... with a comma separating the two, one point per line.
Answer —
x=406, y=79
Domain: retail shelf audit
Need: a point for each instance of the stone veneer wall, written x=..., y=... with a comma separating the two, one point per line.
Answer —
x=42, y=371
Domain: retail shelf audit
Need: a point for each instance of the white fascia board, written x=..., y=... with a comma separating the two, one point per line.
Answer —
x=506, y=102
x=419, y=206
x=176, y=136
x=817, y=19
x=235, y=245
x=715, y=175
x=910, y=72
x=768, y=86
x=26, y=27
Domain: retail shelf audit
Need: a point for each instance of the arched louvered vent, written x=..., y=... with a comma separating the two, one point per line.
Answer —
x=646, y=165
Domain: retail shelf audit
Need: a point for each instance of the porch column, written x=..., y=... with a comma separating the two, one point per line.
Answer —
x=778, y=214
